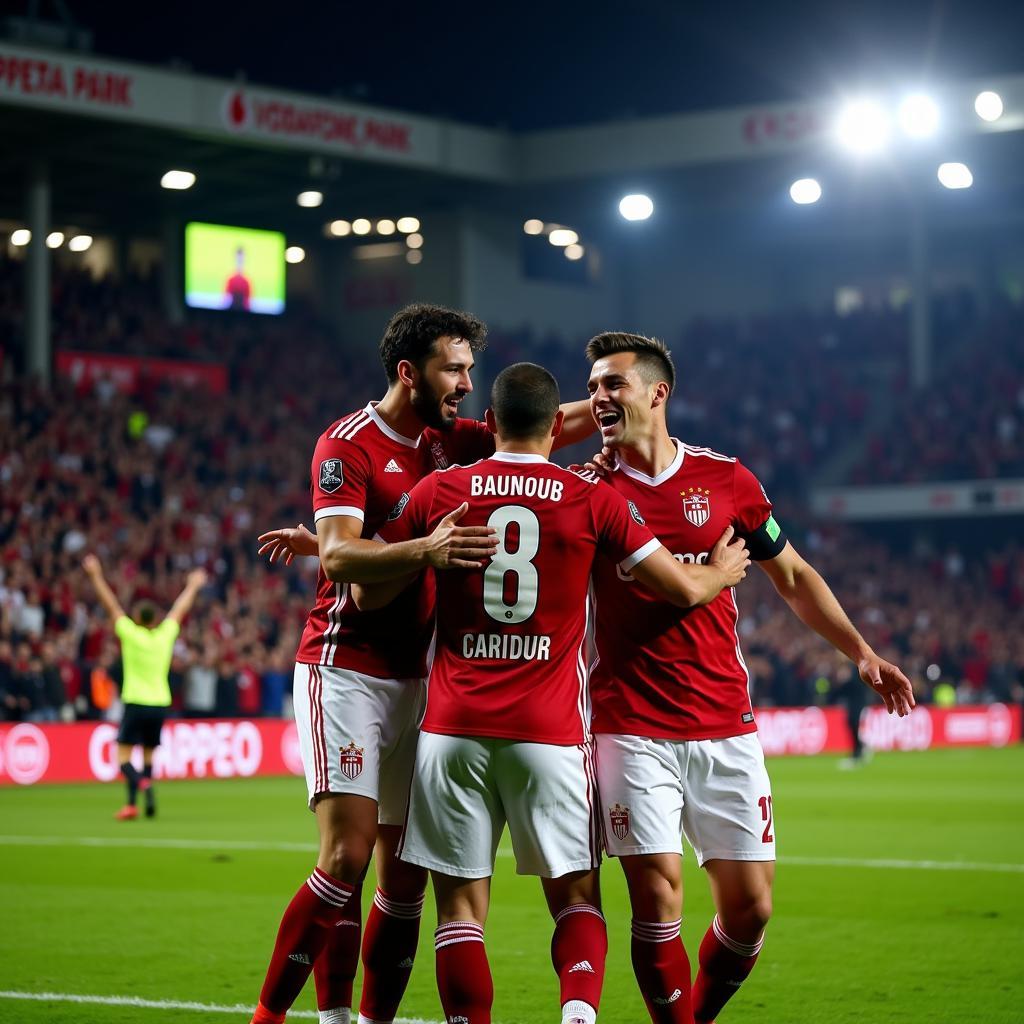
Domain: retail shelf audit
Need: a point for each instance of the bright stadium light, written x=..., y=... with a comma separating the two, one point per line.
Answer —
x=563, y=236
x=636, y=206
x=408, y=225
x=955, y=175
x=805, y=191
x=80, y=243
x=534, y=226
x=862, y=127
x=55, y=239
x=294, y=254
x=574, y=251
x=20, y=237
x=919, y=116
x=385, y=227
x=310, y=199
x=415, y=240
x=988, y=105
x=361, y=226
x=339, y=228
x=178, y=180
x=414, y=256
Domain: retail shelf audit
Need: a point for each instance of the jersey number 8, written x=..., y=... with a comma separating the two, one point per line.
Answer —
x=519, y=562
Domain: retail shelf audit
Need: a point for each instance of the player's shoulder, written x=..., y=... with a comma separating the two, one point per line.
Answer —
x=349, y=426
x=695, y=451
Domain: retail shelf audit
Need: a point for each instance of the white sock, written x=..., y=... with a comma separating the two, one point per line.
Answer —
x=366, y=1020
x=339, y=1015
x=577, y=1010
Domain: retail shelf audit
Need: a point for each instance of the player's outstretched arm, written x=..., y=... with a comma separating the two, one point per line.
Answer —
x=287, y=542
x=691, y=585
x=804, y=590
x=183, y=602
x=348, y=558
x=578, y=423
x=94, y=570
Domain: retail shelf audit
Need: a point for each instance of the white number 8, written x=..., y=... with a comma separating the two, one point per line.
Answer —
x=520, y=562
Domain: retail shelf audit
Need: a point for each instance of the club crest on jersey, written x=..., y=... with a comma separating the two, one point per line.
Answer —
x=440, y=459
x=331, y=475
x=697, y=505
x=351, y=761
x=619, y=818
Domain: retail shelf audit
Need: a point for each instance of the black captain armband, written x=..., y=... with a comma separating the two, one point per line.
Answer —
x=766, y=541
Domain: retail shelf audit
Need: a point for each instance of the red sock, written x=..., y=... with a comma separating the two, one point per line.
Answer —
x=335, y=968
x=578, y=950
x=389, y=949
x=662, y=971
x=463, y=974
x=314, y=909
x=724, y=965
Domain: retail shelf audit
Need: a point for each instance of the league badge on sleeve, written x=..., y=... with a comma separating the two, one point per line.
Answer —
x=331, y=475
x=351, y=761
x=697, y=505
x=619, y=818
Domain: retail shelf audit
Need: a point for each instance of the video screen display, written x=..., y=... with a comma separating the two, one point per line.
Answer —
x=234, y=268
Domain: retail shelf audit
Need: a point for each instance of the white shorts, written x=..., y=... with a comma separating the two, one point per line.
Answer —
x=357, y=735
x=466, y=788
x=715, y=792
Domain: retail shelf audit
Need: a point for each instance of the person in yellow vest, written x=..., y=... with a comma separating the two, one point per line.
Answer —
x=146, y=652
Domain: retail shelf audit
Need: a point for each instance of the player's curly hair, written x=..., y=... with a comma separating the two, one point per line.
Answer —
x=653, y=359
x=412, y=331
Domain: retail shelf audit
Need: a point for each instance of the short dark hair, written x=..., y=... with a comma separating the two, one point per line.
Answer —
x=524, y=400
x=145, y=613
x=653, y=358
x=412, y=331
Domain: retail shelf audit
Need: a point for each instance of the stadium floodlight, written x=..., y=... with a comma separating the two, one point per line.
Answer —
x=574, y=251
x=862, y=127
x=55, y=239
x=385, y=227
x=178, y=180
x=919, y=116
x=339, y=228
x=20, y=237
x=988, y=105
x=534, y=226
x=955, y=175
x=294, y=254
x=805, y=191
x=563, y=236
x=80, y=243
x=361, y=226
x=414, y=256
x=310, y=199
x=415, y=240
x=636, y=206
x=408, y=225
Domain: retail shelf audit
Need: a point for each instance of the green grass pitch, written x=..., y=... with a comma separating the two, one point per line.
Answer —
x=141, y=909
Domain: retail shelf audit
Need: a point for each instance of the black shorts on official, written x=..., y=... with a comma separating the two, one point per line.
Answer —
x=141, y=725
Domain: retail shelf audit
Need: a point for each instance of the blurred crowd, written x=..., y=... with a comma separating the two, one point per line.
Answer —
x=170, y=478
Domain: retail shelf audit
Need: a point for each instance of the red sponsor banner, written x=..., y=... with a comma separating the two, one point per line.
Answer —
x=128, y=373
x=87, y=751
x=241, y=748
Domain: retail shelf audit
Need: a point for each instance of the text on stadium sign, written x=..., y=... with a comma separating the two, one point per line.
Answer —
x=32, y=77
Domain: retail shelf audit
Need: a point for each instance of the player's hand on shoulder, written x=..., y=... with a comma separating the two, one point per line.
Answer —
x=288, y=542
x=602, y=465
x=731, y=556
x=451, y=546
x=889, y=682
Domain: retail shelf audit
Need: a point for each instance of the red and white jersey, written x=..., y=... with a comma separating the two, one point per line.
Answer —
x=662, y=672
x=360, y=468
x=510, y=654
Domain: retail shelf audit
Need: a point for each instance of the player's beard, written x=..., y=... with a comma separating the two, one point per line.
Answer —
x=428, y=405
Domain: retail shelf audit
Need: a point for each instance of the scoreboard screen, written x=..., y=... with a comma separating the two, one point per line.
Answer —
x=234, y=268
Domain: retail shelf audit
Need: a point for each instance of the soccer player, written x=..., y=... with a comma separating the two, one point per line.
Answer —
x=675, y=732
x=146, y=652
x=358, y=675
x=506, y=733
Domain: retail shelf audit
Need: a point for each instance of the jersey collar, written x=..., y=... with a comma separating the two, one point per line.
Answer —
x=517, y=457
x=665, y=474
x=371, y=409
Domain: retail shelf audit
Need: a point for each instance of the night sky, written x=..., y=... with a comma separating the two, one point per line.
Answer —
x=532, y=65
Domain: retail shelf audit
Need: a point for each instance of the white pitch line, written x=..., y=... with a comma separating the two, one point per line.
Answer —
x=141, y=842
x=165, y=1004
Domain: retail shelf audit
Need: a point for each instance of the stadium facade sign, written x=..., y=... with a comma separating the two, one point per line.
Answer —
x=242, y=748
